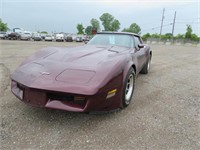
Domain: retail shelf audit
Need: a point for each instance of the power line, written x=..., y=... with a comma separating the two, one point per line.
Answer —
x=188, y=19
x=162, y=26
x=158, y=27
x=179, y=20
x=188, y=22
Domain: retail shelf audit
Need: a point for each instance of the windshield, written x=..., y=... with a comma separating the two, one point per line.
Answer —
x=112, y=39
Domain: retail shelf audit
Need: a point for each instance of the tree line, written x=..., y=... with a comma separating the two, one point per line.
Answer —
x=188, y=36
x=109, y=23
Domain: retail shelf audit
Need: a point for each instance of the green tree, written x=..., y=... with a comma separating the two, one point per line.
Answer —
x=194, y=37
x=95, y=24
x=115, y=25
x=155, y=35
x=109, y=22
x=146, y=36
x=168, y=36
x=188, y=34
x=107, y=19
x=180, y=36
x=80, y=29
x=44, y=32
x=134, y=28
x=3, y=26
x=88, y=30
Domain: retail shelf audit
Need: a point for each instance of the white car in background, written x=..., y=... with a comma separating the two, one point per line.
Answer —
x=26, y=36
x=49, y=38
x=74, y=37
x=60, y=37
x=3, y=35
x=79, y=39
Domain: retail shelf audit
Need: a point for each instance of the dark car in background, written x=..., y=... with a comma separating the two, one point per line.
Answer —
x=37, y=37
x=14, y=36
x=68, y=39
x=98, y=76
x=43, y=35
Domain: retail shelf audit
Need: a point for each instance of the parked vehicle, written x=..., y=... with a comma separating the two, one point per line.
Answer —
x=79, y=39
x=98, y=76
x=3, y=35
x=68, y=39
x=37, y=37
x=74, y=37
x=49, y=38
x=14, y=36
x=43, y=36
x=86, y=39
x=26, y=36
x=60, y=37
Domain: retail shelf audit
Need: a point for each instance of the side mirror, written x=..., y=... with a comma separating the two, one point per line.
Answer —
x=141, y=45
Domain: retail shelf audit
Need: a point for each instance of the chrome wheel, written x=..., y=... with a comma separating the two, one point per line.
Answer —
x=129, y=89
x=148, y=65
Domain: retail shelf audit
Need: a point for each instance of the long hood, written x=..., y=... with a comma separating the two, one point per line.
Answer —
x=71, y=69
x=87, y=55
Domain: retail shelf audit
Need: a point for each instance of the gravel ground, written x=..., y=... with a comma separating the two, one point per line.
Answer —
x=164, y=113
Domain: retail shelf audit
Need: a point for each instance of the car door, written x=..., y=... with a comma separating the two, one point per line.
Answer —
x=140, y=53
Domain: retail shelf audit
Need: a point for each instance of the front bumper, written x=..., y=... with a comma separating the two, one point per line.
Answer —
x=68, y=101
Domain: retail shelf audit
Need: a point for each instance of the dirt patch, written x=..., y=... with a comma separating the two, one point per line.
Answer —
x=4, y=78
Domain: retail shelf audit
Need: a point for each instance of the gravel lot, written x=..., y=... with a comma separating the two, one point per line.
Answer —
x=165, y=113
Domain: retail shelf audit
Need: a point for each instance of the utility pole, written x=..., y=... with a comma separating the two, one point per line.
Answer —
x=173, y=26
x=162, y=22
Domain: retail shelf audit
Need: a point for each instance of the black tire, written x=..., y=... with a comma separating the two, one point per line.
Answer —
x=128, y=88
x=146, y=67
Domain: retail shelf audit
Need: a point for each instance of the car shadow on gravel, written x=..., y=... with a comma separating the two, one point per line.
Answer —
x=58, y=115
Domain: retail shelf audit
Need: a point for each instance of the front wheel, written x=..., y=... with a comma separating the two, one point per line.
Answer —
x=146, y=67
x=128, y=88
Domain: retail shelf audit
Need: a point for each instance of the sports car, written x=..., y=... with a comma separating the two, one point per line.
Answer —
x=97, y=76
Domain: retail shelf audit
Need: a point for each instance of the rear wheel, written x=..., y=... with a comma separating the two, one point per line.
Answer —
x=128, y=88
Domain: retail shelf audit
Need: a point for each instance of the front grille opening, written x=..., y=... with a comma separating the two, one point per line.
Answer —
x=20, y=86
x=66, y=98
x=61, y=97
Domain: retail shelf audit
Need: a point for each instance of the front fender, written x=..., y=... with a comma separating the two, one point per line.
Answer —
x=129, y=63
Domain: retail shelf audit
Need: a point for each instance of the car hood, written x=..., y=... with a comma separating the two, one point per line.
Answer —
x=87, y=65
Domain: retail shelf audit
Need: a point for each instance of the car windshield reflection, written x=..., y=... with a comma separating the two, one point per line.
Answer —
x=112, y=39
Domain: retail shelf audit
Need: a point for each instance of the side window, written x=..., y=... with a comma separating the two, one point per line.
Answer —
x=137, y=41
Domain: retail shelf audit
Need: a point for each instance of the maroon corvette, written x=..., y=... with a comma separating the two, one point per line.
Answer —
x=98, y=76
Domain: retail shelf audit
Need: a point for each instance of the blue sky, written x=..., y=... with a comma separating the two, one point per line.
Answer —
x=64, y=15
